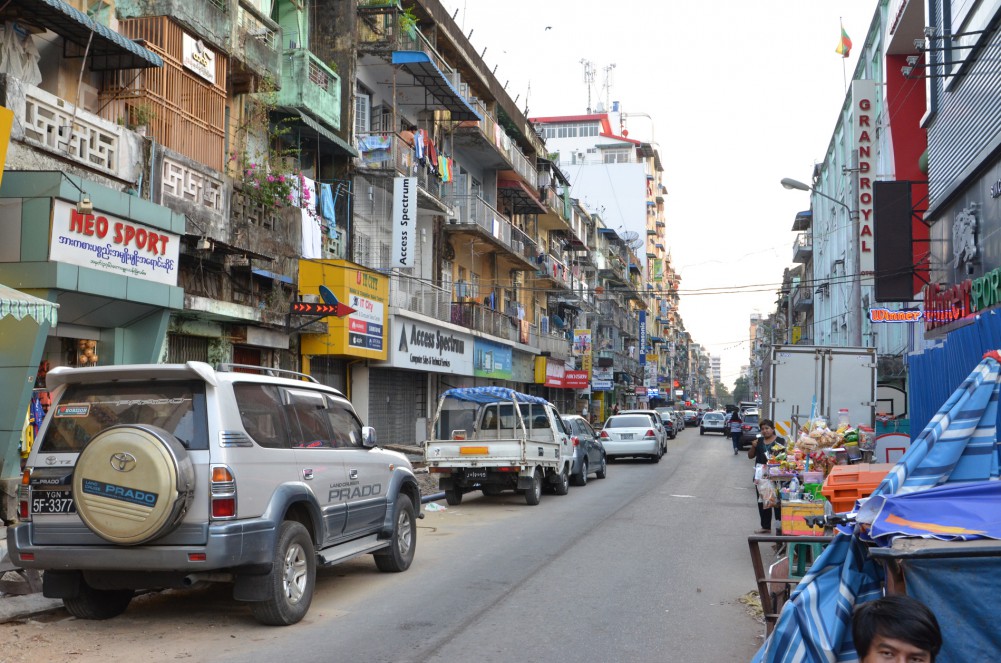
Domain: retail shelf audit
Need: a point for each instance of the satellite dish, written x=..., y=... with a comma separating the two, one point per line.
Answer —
x=629, y=236
x=328, y=296
x=636, y=244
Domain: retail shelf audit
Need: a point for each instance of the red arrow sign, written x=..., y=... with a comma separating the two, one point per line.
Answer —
x=314, y=308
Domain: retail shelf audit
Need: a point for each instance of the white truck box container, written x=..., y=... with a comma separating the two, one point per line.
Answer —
x=831, y=377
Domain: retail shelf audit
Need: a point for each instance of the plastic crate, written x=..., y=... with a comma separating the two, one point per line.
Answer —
x=848, y=483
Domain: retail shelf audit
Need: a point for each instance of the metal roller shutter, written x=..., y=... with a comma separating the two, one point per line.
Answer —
x=396, y=400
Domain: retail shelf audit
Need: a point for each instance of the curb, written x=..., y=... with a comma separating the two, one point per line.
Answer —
x=14, y=608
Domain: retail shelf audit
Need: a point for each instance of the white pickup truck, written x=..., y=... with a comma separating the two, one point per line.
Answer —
x=495, y=439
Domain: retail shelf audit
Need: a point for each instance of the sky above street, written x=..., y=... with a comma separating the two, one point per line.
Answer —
x=739, y=94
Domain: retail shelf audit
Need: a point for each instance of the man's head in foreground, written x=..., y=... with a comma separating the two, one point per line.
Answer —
x=897, y=629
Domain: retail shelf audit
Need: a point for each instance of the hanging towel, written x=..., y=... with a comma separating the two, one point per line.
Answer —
x=327, y=203
x=311, y=236
x=309, y=196
x=420, y=150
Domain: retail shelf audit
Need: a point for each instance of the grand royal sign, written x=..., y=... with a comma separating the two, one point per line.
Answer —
x=864, y=105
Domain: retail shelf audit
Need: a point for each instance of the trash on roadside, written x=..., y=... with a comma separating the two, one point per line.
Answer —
x=434, y=506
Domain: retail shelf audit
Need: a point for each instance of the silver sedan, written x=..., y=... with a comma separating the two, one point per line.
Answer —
x=631, y=435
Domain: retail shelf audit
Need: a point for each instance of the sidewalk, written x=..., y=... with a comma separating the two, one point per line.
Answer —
x=14, y=607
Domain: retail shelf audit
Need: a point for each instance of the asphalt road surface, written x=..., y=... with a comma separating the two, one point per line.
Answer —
x=646, y=565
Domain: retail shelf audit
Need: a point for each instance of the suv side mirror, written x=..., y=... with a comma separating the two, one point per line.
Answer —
x=368, y=436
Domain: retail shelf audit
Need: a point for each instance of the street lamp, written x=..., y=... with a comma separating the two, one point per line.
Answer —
x=789, y=183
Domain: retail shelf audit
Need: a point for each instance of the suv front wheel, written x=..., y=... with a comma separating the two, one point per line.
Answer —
x=400, y=553
x=293, y=577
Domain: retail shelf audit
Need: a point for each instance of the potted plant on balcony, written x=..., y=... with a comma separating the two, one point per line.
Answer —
x=408, y=22
x=142, y=115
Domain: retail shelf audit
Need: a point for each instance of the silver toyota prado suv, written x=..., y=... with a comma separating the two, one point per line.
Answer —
x=164, y=475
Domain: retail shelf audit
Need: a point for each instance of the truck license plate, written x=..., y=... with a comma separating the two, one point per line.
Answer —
x=52, y=501
x=476, y=474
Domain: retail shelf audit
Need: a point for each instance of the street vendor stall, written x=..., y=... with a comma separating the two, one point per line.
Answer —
x=930, y=529
x=24, y=324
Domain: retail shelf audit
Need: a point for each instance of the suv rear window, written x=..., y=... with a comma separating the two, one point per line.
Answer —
x=87, y=409
x=750, y=418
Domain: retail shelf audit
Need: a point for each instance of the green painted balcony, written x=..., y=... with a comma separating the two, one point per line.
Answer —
x=310, y=86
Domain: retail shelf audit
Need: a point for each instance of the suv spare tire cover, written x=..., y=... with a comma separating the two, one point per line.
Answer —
x=133, y=483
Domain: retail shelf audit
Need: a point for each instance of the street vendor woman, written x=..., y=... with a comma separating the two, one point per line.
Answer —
x=759, y=452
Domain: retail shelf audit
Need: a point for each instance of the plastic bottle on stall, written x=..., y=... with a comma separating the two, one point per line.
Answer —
x=844, y=419
x=794, y=488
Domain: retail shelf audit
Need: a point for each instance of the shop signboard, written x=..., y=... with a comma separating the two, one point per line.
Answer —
x=575, y=379
x=549, y=372
x=404, y=221
x=424, y=347
x=864, y=103
x=358, y=334
x=113, y=245
x=602, y=378
x=198, y=57
x=642, y=339
x=491, y=360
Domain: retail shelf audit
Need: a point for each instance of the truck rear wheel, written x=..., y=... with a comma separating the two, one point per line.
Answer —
x=562, y=485
x=453, y=496
x=533, y=494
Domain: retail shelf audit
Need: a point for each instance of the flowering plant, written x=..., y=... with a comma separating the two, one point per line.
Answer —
x=266, y=188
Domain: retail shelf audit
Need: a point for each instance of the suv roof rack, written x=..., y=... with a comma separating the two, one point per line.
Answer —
x=265, y=370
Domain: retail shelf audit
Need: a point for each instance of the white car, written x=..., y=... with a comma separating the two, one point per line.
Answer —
x=713, y=422
x=658, y=423
x=631, y=435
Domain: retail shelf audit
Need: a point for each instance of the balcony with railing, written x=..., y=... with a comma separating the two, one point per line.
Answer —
x=382, y=33
x=310, y=86
x=439, y=303
x=802, y=298
x=391, y=154
x=54, y=125
x=258, y=47
x=802, y=248
x=478, y=218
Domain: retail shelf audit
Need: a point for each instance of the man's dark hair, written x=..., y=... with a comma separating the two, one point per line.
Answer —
x=896, y=616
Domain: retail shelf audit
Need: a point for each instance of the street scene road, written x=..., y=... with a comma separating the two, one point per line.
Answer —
x=649, y=564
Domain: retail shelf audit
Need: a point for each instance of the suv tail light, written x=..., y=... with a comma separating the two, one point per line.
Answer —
x=222, y=488
x=24, y=497
x=746, y=427
x=575, y=440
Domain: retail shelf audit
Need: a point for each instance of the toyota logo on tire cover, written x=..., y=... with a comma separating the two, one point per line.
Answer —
x=123, y=462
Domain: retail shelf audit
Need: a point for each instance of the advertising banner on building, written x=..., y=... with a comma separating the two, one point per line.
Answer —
x=425, y=347
x=362, y=332
x=658, y=269
x=642, y=349
x=602, y=378
x=404, y=221
x=864, y=140
x=491, y=360
x=650, y=371
x=582, y=350
x=198, y=57
x=113, y=245
x=549, y=372
x=575, y=379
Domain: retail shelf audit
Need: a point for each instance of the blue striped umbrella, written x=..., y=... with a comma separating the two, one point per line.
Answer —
x=958, y=443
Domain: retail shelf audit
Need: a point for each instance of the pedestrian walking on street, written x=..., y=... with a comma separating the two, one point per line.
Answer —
x=759, y=452
x=735, y=432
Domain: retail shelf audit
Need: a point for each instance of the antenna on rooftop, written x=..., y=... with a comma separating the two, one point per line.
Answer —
x=607, y=85
x=588, y=80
